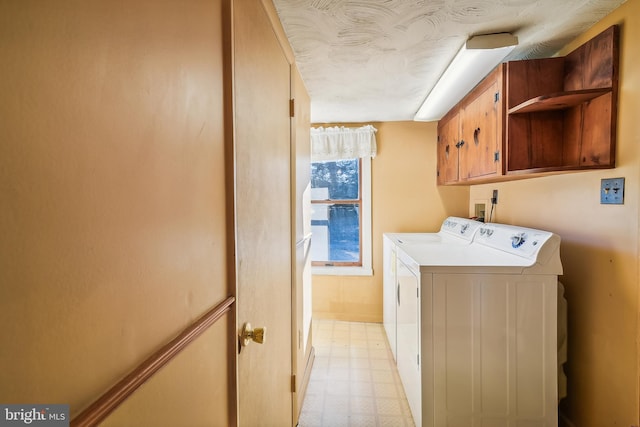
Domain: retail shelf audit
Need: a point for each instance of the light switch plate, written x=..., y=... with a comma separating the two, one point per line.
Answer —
x=612, y=191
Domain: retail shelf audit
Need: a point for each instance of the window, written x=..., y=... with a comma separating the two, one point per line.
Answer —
x=341, y=199
x=341, y=216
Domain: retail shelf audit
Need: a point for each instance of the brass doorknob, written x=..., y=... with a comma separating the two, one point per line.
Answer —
x=256, y=335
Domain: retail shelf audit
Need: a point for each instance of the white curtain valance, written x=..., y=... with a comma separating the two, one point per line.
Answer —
x=335, y=143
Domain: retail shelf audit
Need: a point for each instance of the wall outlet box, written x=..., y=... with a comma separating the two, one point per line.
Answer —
x=612, y=191
x=480, y=211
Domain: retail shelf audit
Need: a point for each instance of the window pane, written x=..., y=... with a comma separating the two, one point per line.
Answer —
x=336, y=232
x=335, y=180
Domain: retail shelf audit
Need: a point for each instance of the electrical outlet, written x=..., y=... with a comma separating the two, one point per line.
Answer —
x=612, y=191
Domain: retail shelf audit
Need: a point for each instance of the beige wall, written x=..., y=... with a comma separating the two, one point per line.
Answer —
x=599, y=252
x=405, y=198
x=112, y=194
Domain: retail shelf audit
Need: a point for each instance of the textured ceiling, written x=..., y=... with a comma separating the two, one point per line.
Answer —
x=376, y=60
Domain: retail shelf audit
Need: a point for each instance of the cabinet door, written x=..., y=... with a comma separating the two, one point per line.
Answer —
x=479, y=131
x=448, y=142
x=408, y=338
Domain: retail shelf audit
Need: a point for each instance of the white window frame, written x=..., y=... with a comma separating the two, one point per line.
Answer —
x=366, y=269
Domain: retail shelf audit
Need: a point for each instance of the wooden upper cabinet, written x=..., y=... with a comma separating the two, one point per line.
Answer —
x=590, y=140
x=448, y=143
x=558, y=114
x=470, y=136
x=562, y=111
x=534, y=138
x=479, y=124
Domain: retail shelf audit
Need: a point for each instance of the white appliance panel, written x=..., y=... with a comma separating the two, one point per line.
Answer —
x=389, y=292
x=492, y=336
x=408, y=337
x=488, y=324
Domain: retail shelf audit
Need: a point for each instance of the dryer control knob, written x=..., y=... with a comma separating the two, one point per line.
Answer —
x=518, y=240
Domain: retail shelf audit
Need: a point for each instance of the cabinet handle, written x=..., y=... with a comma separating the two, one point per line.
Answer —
x=446, y=151
x=475, y=136
x=398, y=292
x=460, y=144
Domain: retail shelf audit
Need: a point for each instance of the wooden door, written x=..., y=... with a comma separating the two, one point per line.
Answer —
x=448, y=143
x=479, y=131
x=261, y=76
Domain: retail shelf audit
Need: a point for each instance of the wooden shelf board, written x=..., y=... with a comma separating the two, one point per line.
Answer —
x=558, y=101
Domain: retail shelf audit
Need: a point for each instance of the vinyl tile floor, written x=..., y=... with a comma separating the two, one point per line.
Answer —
x=354, y=380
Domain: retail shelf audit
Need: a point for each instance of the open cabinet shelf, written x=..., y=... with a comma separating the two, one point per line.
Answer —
x=558, y=101
x=561, y=111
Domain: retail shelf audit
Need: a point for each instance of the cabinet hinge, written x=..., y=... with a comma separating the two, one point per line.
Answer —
x=496, y=97
x=293, y=383
x=292, y=108
x=496, y=156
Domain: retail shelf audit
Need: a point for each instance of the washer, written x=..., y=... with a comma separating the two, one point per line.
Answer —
x=453, y=231
x=476, y=327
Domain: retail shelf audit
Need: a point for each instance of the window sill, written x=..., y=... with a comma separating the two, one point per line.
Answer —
x=342, y=271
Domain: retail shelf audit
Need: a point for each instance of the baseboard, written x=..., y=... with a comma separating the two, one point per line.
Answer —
x=347, y=317
x=307, y=372
x=563, y=421
x=304, y=383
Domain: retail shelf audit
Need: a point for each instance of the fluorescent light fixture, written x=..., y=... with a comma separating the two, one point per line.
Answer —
x=478, y=56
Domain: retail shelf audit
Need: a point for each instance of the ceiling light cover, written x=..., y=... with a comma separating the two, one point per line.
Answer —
x=478, y=56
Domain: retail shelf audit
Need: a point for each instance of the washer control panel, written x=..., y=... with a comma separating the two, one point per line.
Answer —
x=461, y=227
x=526, y=242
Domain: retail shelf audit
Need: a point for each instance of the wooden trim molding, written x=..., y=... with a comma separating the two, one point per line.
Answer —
x=270, y=8
x=110, y=400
